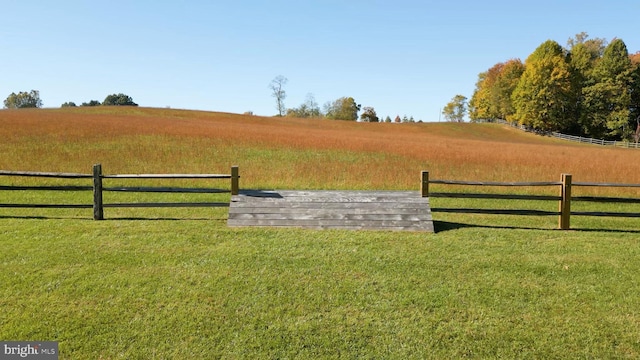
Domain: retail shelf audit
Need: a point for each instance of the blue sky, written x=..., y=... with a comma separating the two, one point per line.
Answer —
x=402, y=57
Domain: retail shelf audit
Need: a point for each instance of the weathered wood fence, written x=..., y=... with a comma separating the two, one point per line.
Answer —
x=580, y=139
x=98, y=189
x=564, y=198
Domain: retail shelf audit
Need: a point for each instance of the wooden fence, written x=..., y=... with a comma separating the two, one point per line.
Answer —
x=98, y=189
x=564, y=198
x=601, y=142
x=580, y=139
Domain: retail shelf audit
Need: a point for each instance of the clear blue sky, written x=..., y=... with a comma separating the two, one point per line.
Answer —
x=402, y=57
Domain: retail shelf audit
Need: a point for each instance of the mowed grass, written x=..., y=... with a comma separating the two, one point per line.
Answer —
x=177, y=283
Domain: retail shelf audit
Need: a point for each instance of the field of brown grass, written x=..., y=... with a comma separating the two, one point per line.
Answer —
x=295, y=153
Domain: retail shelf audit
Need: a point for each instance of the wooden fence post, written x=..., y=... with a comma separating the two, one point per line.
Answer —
x=235, y=185
x=565, y=203
x=98, y=209
x=424, y=184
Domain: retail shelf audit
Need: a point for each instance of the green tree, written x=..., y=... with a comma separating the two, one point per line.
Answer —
x=635, y=89
x=544, y=98
x=23, y=100
x=584, y=55
x=278, y=92
x=455, y=110
x=308, y=109
x=118, y=100
x=344, y=108
x=69, y=104
x=91, y=103
x=607, y=102
x=369, y=114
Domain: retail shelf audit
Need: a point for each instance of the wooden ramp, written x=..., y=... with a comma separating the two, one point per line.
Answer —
x=356, y=210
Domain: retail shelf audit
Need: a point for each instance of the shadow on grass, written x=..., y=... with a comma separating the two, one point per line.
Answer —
x=140, y=218
x=442, y=226
x=36, y=217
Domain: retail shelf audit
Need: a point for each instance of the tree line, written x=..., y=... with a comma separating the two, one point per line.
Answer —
x=31, y=99
x=589, y=88
x=343, y=108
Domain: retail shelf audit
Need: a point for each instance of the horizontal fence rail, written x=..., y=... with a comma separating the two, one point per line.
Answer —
x=564, y=198
x=98, y=189
x=601, y=142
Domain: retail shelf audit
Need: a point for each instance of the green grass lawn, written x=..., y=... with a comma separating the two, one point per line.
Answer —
x=173, y=283
x=482, y=286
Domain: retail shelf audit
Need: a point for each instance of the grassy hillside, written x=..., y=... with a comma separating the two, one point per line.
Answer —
x=295, y=153
x=186, y=286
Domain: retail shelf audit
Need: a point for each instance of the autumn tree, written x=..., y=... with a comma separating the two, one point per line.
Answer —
x=491, y=99
x=482, y=106
x=369, y=114
x=23, y=100
x=590, y=88
x=544, y=98
x=344, y=108
x=455, y=110
x=278, y=92
x=505, y=84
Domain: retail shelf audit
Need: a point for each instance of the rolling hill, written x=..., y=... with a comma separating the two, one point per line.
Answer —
x=296, y=153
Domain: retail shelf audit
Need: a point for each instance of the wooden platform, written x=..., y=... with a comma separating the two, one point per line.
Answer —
x=357, y=210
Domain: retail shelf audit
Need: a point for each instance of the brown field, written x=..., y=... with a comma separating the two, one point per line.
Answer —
x=296, y=153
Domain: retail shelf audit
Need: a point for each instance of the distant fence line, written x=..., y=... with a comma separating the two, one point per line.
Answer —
x=580, y=139
x=98, y=189
x=564, y=198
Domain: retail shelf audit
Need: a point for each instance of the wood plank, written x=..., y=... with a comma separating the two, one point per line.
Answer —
x=48, y=206
x=319, y=224
x=381, y=210
x=48, y=188
x=608, y=214
x=605, y=184
x=491, y=183
x=330, y=205
x=173, y=204
x=334, y=216
x=324, y=193
x=275, y=210
x=166, y=190
x=167, y=176
x=606, y=199
x=336, y=199
x=494, y=196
